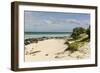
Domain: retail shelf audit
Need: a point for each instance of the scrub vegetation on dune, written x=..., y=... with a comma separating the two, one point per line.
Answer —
x=79, y=37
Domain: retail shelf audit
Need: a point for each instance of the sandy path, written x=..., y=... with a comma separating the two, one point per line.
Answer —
x=46, y=48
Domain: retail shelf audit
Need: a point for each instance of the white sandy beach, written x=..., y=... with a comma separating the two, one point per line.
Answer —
x=53, y=49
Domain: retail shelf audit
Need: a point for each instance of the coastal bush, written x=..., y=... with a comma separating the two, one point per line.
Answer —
x=77, y=31
x=84, y=40
x=73, y=47
x=67, y=43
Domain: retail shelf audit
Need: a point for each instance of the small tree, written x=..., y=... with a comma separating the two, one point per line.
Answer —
x=77, y=31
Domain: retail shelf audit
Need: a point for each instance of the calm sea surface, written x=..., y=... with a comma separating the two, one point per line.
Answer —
x=28, y=35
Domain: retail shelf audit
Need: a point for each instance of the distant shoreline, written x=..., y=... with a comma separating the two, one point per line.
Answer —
x=28, y=35
x=35, y=40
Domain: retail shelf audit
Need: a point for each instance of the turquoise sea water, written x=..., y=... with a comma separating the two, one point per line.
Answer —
x=28, y=35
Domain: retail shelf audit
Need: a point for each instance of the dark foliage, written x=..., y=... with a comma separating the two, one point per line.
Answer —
x=77, y=31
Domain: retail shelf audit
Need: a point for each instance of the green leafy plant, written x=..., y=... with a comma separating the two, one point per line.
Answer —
x=77, y=31
x=73, y=47
x=67, y=43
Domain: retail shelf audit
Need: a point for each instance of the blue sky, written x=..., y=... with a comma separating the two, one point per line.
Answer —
x=36, y=21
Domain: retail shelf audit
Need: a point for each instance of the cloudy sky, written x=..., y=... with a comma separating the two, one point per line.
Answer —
x=36, y=21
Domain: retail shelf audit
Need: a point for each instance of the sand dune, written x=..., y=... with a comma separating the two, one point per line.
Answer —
x=53, y=49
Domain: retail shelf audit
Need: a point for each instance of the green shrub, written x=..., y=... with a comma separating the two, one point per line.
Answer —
x=84, y=40
x=77, y=31
x=66, y=43
x=73, y=46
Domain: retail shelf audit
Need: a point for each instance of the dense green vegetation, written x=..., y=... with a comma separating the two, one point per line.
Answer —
x=78, y=40
x=77, y=31
x=73, y=46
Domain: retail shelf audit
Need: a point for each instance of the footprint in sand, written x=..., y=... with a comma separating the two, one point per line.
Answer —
x=46, y=54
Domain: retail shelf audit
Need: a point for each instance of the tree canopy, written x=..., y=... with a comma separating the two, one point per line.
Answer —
x=77, y=31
